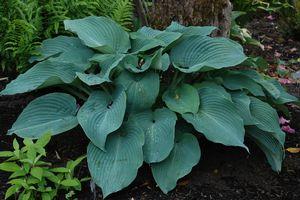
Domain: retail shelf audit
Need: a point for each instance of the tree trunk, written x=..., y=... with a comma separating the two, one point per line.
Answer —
x=192, y=12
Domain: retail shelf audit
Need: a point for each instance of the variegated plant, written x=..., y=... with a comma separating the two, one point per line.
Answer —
x=141, y=91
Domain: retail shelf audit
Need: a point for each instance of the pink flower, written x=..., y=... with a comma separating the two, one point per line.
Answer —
x=288, y=129
x=284, y=81
x=283, y=121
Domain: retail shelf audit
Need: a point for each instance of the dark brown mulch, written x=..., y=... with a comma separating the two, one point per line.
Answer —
x=223, y=173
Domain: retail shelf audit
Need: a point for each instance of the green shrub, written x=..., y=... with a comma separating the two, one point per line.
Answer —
x=145, y=94
x=25, y=23
x=240, y=34
x=254, y=5
x=31, y=178
x=290, y=20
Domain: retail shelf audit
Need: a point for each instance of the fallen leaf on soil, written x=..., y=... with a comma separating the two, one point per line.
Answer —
x=293, y=50
x=184, y=183
x=288, y=129
x=283, y=121
x=270, y=17
x=277, y=54
x=268, y=47
x=284, y=81
x=293, y=150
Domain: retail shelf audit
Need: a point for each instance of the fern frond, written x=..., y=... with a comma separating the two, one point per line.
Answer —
x=123, y=12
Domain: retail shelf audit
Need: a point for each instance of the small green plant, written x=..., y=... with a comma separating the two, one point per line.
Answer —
x=240, y=34
x=290, y=20
x=32, y=178
x=145, y=94
x=266, y=5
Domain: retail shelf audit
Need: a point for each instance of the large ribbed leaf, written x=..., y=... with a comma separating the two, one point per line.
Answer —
x=242, y=104
x=141, y=43
x=107, y=63
x=185, y=155
x=43, y=74
x=92, y=79
x=263, y=81
x=54, y=113
x=64, y=49
x=141, y=89
x=202, y=53
x=182, y=99
x=159, y=129
x=141, y=63
x=166, y=37
x=284, y=97
x=273, y=149
x=161, y=62
x=101, y=115
x=217, y=119
x=138, y=64
x=266, y=118
x=214, y=88
x=100, y=33
x=190, y=30
x=117, y=167
x=238, y=81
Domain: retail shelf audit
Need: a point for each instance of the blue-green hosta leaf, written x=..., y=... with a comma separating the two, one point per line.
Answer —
x=161, y=62
x=159, y=129
x=273, y=149
x=139, y=63
x=117, y=167
x=266, y=118
x=184, y=156
x=101, y=115
x=136, y=64
x=91, y=79
x=141, y=89
x=238, y=81
x=217, y=119
x=64, y=49
x=263, y=81
x=107, y=63
x=202, y=53
x=182, y=99
x=242, y=104
x=141, y=43
x=214, y=88
x=54, y=113
x=166, y=37
x=43, y=74
x=100, y=33
x=284, y=97
x=190, y=30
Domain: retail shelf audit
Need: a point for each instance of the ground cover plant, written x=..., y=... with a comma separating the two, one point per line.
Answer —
x=31, y=177
x=145, y=96
x=24, y=24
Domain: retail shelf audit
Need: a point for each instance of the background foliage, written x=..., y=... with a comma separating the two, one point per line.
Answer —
x=25, y=23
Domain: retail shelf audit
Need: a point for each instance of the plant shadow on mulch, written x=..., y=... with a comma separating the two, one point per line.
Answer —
x=223, y=172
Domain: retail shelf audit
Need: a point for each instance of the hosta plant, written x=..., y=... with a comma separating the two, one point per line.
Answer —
x=145, y=96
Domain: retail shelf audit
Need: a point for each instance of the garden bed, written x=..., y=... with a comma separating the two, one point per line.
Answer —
x=223, y=172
